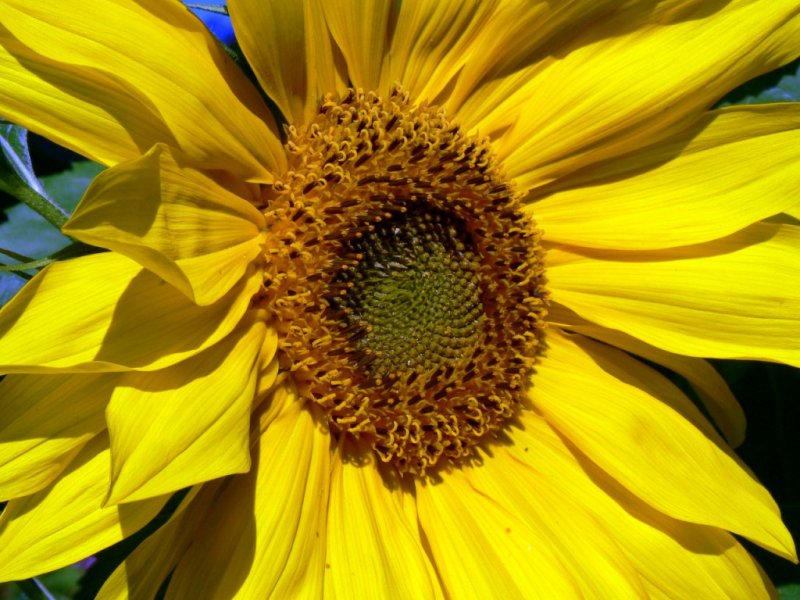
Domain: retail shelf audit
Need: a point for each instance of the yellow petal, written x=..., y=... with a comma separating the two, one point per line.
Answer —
x=186, y=228
x=591, y=394
x=374, y=545
x=587, y=550
x=482, y=549
x=793, y=211
x=103, y=312
x=361, y=30
x=264, y=534
x=268, y=366
x=91, y=84
x=738, y=297
x=148, y=566
x=735, y=167
x=66, y=521
x=626, y=80
x=502, y=44
x=186, y=424
x=433, y=41
x=711, y=388
x=44, y=422
x=145, y=569
x=675, y=559
x=291, y=52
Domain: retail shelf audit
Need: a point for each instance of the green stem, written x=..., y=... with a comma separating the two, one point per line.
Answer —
x=27, y=266
x=25, y=263
x=51, y=211
x=15, y=256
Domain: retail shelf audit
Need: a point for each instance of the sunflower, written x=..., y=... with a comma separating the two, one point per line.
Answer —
x=400, y=339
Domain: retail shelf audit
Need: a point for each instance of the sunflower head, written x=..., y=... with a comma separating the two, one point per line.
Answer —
x=408, y=283
x=376, y=266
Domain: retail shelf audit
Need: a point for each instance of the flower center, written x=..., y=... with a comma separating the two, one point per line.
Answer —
x=407, y=286
x=414, y=293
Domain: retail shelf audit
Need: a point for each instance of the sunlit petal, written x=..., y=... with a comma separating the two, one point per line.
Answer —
x=93, y=86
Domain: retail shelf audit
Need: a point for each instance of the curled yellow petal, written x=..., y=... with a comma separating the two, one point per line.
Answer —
x=291, y=51
x=621, y=82
x=185, y=227
x=674, y=559
x=361, y=30
x=712, y=390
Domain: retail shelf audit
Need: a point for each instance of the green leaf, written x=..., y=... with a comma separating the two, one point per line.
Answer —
x=35, y=590
x=27, y=233
x=67, y=187
x=18, y=179
x=782, y=85
x=789, y=592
